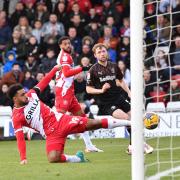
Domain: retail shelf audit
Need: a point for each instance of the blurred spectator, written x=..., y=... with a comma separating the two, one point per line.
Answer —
x=175, y=15
x=88, y=40
x=48, y=62
x=75, y=40
x=41, y=12
x=29, y=81
x=14, y=76
x=37, y=31
x=124, y=56
x=60, y=11
x=84, y=5
x=75, y=10
x=19, y=12
x=125, y=28
x=53, y=28
x=93, y=29
x=33, y=47
x=175, y=54
x=5, y=31
x=93, y=16
x=85, y=62
x=111, y=22
x=163, y=29
x=4, y=100
x=31, y=64
x=86, y=52
x=24, y=27
x=50, y=44
x=108, y=39
x=76, y=22
x=17, y=44
x=148, y=85
x=9, y=61
x=126, y=72
x=8, y=6
x=30, y=11
x=164, y=5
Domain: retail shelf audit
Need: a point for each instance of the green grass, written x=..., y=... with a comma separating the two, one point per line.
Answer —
x=113, y=164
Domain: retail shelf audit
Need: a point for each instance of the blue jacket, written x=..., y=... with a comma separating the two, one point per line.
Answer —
x=8, y=65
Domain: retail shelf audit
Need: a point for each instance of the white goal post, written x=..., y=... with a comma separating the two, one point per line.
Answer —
x=136, y=19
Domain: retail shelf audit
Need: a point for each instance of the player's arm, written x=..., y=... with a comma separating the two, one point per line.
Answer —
x=21, y=143
x=45, y=81
x=90, y=88
x=68, y=71
x=121, y=83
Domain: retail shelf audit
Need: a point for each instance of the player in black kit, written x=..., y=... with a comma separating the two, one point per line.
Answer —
x=112, y=95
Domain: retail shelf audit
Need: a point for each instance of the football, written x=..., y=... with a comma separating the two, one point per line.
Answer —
x=151, y=120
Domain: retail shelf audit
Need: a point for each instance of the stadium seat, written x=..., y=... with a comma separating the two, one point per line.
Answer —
x=6, y=121
x=156, y=107
x=173, y=106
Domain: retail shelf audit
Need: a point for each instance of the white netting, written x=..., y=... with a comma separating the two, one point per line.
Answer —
x=162, y=86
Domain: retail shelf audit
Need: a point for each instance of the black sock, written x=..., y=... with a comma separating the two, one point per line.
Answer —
x=129, y=131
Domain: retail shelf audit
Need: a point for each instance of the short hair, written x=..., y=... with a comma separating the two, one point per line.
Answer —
x=13, y=89
x=99, y=45
x=61, y=39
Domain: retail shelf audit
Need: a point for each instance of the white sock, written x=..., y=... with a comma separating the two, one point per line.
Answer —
x=112, y=123
x=72, y=158
x=86, y=138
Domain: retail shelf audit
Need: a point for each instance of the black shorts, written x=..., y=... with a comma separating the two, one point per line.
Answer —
x=121, y=103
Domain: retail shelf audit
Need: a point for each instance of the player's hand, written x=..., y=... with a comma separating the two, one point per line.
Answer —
x=23, y=162
x=105, y=87
x=58, y=67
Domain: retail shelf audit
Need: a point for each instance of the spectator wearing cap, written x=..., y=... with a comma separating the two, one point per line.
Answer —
x=14, y=76
x=31, y=64
x=24, y=27
x=41, y=12
x=124, y=56
x=9, y=61
x=53, y=28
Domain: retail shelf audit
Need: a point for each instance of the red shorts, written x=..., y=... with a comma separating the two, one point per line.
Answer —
x=67, y=103
x=67, y=125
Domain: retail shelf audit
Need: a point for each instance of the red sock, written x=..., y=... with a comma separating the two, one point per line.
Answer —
x=63, y=158
x=104, y=123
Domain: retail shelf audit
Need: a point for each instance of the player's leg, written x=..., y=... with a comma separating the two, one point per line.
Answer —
x=77, y=111
x=55, y=151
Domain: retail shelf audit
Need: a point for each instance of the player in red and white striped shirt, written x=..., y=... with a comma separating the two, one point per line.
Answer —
x=29, y=111
x=65, y=99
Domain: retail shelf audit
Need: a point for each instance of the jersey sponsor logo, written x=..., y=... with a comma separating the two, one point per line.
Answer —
x=29, y=115
x=74, y=120
x=107, y=78
x=64, y=58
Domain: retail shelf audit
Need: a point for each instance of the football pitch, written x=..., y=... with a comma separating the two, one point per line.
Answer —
x=112, y=164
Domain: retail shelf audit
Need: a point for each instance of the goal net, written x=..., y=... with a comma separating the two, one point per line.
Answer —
x=162, y=86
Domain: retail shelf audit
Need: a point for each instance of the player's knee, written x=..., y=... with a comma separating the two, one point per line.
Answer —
x=54, y=157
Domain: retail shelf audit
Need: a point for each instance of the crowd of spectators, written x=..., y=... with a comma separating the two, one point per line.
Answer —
x=30, y=29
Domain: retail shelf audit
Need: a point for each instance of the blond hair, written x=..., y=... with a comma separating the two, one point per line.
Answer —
x=99, y=45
